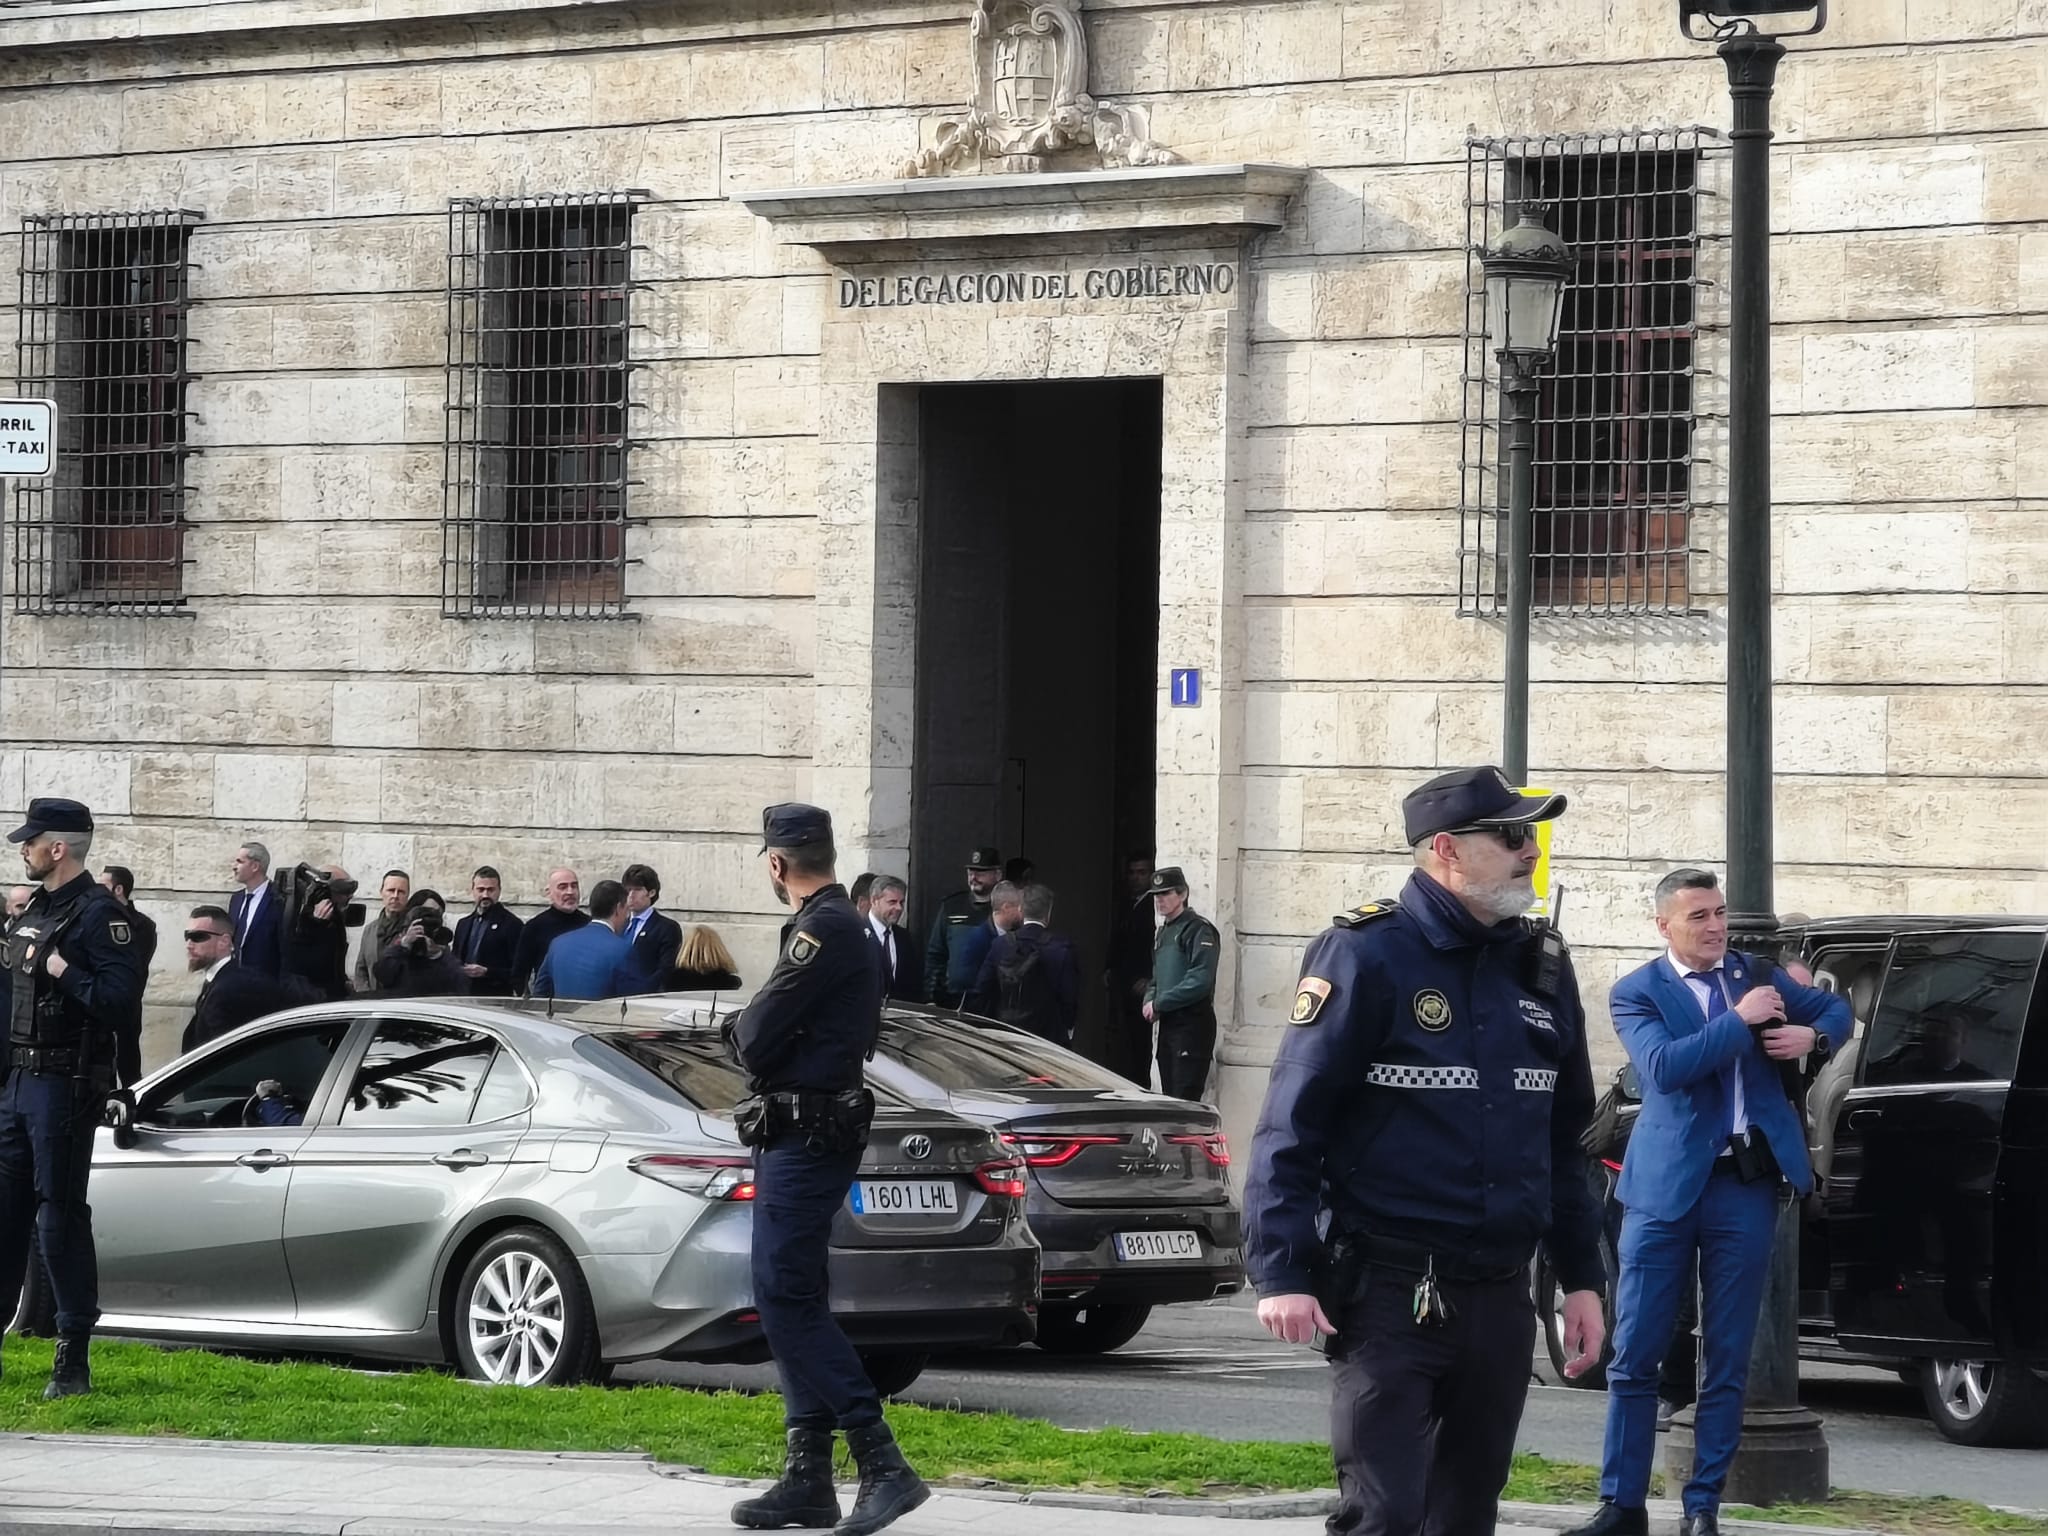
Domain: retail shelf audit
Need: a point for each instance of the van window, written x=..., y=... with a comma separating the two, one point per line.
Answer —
x=1952, y=1008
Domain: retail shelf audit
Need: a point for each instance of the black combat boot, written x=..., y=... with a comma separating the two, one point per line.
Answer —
x=889, y=1490
x=71, y=1375
x=804, y=1495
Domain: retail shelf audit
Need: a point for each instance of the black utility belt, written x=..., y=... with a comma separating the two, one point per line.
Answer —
x=836, y=1121
x=1415, y=1259
x=55, y=1060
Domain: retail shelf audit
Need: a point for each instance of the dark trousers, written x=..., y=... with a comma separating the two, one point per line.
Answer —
x=1187, y=1044
x=798, y=1192
x=46, y=1131
x=1127, y=1034
x=1423, y=1419
x=1730, y=1228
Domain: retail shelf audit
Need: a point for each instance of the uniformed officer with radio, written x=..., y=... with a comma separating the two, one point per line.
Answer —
x=803, y=1040
x=74, y=1008
x=1419, y=1139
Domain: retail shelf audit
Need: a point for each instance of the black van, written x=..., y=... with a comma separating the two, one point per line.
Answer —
x=1925, y=1246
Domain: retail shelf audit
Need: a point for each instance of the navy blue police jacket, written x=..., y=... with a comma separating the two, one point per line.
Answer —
x=1426, y=1093
x=813, y=1024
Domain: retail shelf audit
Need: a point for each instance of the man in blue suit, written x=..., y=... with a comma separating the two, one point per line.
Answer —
x=253, y=910
x=1717, y=1142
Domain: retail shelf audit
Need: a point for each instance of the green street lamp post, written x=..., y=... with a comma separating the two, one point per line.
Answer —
x=1784, y=1455
x=1526, y=269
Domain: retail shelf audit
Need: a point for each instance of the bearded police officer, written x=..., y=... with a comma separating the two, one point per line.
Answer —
x=803, y=1040
x=74, y=1001
x=1419, y=1139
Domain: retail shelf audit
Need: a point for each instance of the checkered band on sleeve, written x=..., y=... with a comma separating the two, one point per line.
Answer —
x=1381, y=1075
x=1535, y=1079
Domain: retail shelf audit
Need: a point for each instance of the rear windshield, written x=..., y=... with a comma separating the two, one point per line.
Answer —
x=964, y=1058
x=693, y=1066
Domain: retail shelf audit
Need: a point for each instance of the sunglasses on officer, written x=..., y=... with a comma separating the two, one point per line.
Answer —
x=1513, y=834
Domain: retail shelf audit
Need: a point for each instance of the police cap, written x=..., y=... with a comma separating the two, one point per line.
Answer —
x=1472, y=797
x=1167, y=878
x=794, y=825
x=985, y=858
x=52, y=816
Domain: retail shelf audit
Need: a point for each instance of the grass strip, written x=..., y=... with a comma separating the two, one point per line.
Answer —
x=195, y=1394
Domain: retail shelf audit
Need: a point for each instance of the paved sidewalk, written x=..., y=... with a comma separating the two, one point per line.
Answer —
x=63, y=1484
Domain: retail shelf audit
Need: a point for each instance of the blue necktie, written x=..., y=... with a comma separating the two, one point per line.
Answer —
x=1717, y=999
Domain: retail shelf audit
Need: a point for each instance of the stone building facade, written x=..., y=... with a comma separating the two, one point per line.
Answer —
x=1264, y=205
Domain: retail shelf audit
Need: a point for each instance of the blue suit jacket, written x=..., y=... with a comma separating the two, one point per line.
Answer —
x=1678, y=1055
x=258, y=953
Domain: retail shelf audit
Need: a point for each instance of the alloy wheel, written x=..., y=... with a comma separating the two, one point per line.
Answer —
x=517, y=1317
x=1964, y=1386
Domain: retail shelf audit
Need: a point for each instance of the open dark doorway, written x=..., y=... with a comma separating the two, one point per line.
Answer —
x=1038, y=644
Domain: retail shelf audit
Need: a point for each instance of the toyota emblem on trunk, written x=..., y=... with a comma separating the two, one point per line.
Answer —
x=917, y=1148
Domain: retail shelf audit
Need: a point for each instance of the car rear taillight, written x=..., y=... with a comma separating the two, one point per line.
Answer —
x=1004, y=1176
x=710, y=1178
x=1039, y=1151
x=1215, y=1146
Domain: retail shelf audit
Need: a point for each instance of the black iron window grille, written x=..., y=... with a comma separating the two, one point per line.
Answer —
x=102, y=333
x=539, y=406
x=1618, y=446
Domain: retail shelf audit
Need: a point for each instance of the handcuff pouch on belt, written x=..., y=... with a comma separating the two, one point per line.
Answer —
x=831, y=1122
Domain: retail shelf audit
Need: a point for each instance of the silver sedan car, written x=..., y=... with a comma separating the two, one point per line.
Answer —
x=531, y=1197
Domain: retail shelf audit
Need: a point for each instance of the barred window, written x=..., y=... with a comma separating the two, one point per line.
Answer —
x=539, y=406
x=102, y=333
x=1616, y=446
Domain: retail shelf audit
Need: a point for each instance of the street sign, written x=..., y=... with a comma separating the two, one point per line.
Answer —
x=1185, y=691
x=1542, y=872
x=28, y=437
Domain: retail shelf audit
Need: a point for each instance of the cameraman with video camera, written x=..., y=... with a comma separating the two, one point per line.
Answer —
x=421, y=961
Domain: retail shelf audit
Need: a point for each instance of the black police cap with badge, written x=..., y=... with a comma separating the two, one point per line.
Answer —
x=795, y=825
x=52, y=816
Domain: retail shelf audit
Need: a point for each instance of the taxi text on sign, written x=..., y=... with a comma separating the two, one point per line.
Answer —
x=1542, y=872
x=28, y=437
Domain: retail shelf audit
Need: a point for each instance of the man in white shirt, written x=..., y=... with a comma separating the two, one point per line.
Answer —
x=253, y=910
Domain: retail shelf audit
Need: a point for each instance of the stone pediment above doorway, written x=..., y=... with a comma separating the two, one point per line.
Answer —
x=925, y=216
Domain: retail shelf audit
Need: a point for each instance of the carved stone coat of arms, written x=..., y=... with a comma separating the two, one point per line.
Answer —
x=1031, y=104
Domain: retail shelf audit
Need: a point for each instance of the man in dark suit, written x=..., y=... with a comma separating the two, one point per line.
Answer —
x=486, y=940
x=230, y=995
x=900, y=970
x=563, y=913
x=1030, y=977
x=253, y=910
x=1707, y=1030
x=656, y=938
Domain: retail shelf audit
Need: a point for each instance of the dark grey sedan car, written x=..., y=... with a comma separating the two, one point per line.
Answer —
x=534, y=1198
x=1129, y=1189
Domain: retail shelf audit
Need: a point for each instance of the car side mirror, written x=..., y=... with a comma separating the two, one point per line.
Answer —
x=120, y=1115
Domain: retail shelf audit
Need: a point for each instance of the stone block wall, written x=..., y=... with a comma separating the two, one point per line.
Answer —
x=315, y=697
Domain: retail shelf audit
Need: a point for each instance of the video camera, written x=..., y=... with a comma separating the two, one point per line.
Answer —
x=302, y=888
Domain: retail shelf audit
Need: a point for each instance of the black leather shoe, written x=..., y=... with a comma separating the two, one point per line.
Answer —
x=1613, y=1520
x=1707, y=1524
x=71, y=1374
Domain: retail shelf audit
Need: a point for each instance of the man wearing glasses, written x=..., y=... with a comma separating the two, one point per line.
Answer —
x=1420, y=1137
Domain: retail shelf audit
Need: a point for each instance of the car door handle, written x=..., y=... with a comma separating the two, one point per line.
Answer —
x=1864, y=1119
x=461, y=1157
x=264, y=1159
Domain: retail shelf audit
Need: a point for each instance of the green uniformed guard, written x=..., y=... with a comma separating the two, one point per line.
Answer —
x=1182, y=997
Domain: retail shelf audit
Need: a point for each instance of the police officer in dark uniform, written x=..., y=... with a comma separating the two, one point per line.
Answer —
x=962, y=932
x=803, y=1040
x=1419, y=1139
x=74, y=1008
